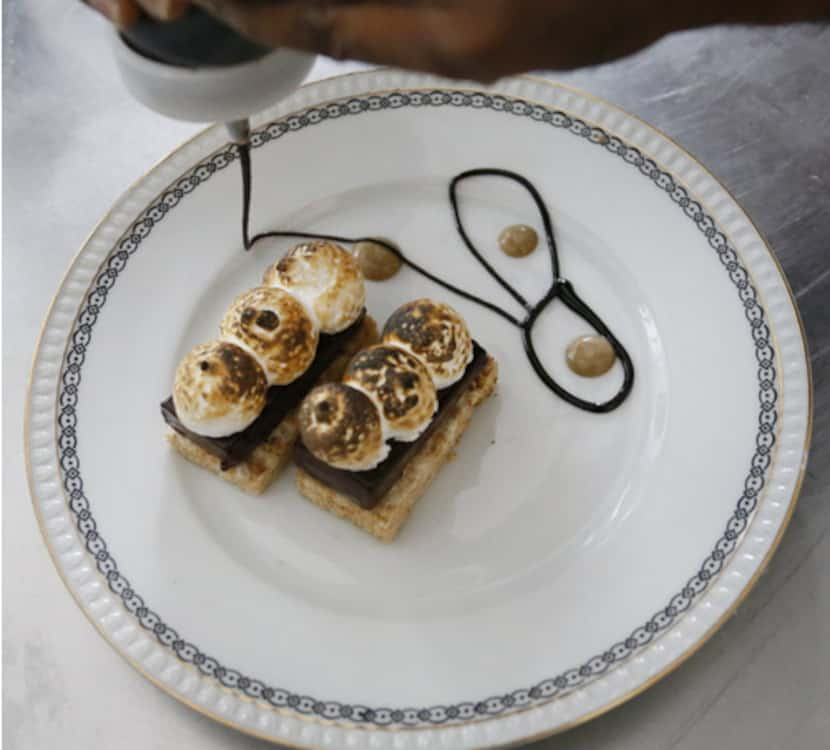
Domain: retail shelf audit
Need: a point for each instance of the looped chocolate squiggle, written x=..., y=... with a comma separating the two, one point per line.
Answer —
x=560, y=288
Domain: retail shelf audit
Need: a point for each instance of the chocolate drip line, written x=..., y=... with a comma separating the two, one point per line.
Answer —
x=560, y=288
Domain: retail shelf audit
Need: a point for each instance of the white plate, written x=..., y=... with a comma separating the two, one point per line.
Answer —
x=564, y=561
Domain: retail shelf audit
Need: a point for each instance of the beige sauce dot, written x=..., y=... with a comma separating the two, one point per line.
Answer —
x=375, y=261
x=518, y=241
x=590, y=356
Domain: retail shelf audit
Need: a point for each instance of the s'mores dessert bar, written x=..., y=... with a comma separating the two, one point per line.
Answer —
x=373, y=443
x=233, y=410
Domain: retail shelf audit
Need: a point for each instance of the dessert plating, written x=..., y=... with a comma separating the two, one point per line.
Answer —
x=234, y=403
x=349, y=460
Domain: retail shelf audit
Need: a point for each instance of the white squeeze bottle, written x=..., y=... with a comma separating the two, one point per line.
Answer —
x=198, y=69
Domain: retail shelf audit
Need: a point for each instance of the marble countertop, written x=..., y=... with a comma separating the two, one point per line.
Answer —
x=752, y=104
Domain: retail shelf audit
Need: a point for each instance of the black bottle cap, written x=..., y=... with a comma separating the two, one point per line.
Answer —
x=194, y=41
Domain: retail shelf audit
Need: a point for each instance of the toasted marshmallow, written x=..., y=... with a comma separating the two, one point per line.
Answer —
x=326, y=279
x=219, y=389
x=399, y=385
x=436, y=334
x=342, y=427
x=276, y=329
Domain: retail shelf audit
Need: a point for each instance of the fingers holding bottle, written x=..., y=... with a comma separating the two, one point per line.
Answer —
x=123, y=13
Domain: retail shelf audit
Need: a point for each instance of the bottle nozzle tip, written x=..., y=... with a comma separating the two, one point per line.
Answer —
x=239, y=130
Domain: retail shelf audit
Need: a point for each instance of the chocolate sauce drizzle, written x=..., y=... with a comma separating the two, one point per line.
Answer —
x=560, y=288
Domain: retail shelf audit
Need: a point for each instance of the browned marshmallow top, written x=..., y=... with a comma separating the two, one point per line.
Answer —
x=436, y=334
x=342, y=427
x=399, y=385
x=326, y=278
x=277, y=330
x=219, y=389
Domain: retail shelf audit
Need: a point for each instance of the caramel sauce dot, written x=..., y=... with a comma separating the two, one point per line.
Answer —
x=518, y=240
x=376, y=262
x=590, y=356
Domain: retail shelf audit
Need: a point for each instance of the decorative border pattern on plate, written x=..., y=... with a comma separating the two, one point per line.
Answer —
x=496, y=705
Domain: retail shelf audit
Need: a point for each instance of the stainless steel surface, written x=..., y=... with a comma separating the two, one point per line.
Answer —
x=752, y=105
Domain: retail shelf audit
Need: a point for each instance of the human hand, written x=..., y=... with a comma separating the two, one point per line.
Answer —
x=123, y=13
x=457, y=38
x=469, y=38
